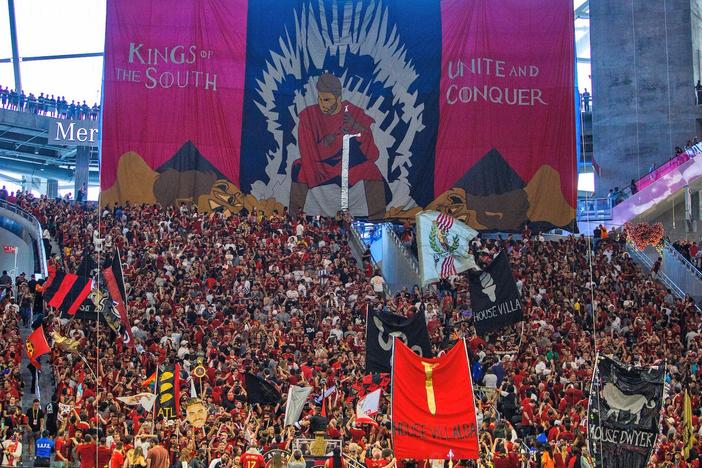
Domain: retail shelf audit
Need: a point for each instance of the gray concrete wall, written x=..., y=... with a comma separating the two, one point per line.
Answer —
x=642, y=77
x=675, y=212
x=25, y=254
x=696, y=22
x=397, y=269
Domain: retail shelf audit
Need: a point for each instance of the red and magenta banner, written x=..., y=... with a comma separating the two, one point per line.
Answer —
x=433, y=412
x=235, y=104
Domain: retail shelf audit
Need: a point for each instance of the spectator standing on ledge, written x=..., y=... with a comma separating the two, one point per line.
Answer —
x=80, y=197
x=378, y=283
x=586, y=100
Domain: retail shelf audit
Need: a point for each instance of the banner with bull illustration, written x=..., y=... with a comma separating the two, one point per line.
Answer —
x=460, y=106
x=624, y=413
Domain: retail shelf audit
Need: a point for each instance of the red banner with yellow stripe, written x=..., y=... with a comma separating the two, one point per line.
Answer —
x=433, y=411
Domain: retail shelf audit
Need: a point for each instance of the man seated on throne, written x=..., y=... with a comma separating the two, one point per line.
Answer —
x=321, y=130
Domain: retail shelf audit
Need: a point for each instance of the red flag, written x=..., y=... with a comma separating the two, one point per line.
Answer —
x=49, y=280
x=9, y=249
x=37, y=345
x=596, y=167
x=433, y=411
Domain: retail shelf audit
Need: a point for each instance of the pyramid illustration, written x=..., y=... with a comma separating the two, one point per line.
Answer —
x=491, y=175
x=189, y=158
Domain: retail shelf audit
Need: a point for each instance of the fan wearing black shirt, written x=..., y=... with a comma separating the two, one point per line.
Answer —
x=35, y=421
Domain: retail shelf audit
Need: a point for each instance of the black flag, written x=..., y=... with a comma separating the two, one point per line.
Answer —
x=114, y=280
x=168, y=392
x=87, y=266
x=494, y=297
x=260, y=391
x=380, y=329
x=624, y=412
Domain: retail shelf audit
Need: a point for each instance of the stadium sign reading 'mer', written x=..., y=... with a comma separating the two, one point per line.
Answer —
x=73, y=132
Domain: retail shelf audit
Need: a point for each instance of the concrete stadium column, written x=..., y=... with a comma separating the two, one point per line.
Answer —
x=15, y=47
x=690, y=225
x=82, y=168
x=52, y=188
x=643, y=84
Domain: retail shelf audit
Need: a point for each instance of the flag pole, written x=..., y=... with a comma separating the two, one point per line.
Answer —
x=15, y=278
x=156, y=391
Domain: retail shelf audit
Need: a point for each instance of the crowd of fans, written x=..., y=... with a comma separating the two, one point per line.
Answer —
x=284, y=298
x=11, y=347
x=690, y=251
x=49, y=105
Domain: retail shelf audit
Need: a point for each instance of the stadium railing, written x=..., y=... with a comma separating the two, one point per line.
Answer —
x=40, y=254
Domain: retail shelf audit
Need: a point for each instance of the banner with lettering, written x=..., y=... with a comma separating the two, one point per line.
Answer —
x=624, y=413
x=460, y=106
x=433, y=410
x=168, y=392
x=494, y=296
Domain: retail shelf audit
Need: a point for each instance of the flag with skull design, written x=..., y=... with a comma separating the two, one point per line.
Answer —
x=381, y=327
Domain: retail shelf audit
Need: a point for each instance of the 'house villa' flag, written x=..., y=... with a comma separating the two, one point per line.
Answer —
x=494, y=296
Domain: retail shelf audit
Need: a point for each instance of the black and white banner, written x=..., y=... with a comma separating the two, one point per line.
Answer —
x=494, y=296
x=382, y=327
x=624, y=412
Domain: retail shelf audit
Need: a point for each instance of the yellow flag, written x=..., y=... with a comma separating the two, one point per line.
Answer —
x=688, y=430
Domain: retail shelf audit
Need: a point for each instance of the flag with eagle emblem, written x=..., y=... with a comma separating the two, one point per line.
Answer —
x=443, y=246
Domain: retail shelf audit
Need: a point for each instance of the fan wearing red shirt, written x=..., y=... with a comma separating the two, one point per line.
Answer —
x=117, y=459
x=376, y=461
x=252, y=459
x=86, y=452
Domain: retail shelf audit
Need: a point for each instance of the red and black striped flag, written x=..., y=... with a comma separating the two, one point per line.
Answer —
x=115, y=285
x=66, y=291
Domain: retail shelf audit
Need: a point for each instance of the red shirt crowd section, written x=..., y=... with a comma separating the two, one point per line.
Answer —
x=285, y=299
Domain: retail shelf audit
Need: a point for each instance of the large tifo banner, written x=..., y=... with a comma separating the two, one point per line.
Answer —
x=460, y=106
x=623, y=413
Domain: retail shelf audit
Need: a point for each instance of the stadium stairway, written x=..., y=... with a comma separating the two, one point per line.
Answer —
x=676, y=272
x=657, y=201
x=397, y=264
x=43, y=391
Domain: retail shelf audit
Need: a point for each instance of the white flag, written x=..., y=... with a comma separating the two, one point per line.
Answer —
x=297, y=396
x=193, y=392
x=443, y=245
x=146, y=400
x=368, y=405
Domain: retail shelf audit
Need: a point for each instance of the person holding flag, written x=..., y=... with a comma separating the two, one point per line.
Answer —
x=114, y=279
x=36, y=345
